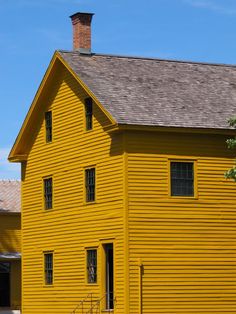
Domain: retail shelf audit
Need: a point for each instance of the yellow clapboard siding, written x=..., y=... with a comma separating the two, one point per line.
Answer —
x=186, y=246
x=71, y=226
x=172, y=255
x=10, y=235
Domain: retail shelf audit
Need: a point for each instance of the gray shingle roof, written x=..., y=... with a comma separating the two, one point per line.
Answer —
x=154, y=92
x=10, y=196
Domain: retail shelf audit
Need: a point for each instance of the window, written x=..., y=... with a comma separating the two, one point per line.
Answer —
x=48, y=268
x=182, y=178
x=48, y=126
x=90, y=184
x=92, y=266
x=47, y=193
x=88, y=114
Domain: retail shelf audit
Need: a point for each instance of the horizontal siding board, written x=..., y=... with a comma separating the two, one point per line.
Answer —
x=10, y=233
x=71, y=225
x=186, y=246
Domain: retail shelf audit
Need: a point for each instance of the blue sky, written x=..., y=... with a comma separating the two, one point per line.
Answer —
x=31, y=30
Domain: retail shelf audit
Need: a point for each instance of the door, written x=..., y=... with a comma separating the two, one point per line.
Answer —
x=109, y=276
x=4, y=284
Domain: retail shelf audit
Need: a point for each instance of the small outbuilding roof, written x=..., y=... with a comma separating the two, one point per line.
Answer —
x=154, y=92
x=10, y=196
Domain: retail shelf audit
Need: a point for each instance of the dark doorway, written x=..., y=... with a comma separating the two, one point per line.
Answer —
x=5, y=284
x=109, y=276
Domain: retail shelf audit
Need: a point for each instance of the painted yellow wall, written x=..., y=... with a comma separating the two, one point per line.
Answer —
x=183, y=249
x=71, y=226
x=10, y=242
x=10, y=233
x=186, y=246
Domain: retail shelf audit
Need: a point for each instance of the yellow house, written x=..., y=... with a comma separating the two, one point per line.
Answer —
x=10, y=246
x=125, y=205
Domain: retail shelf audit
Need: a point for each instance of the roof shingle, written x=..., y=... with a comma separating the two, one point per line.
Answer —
x=10, y=196
x=154, y=92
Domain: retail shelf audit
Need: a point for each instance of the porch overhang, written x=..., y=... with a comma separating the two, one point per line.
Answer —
x=10, y=256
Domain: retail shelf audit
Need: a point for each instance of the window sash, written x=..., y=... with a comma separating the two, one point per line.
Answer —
x=182, y=178
x=48, y=268
x=92, y=266
x=89, y=113
x=48, y=126
x=48, y=193
x=90, y=184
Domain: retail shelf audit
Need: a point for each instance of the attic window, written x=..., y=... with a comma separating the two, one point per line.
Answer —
x=48, y=126
x=88, y=106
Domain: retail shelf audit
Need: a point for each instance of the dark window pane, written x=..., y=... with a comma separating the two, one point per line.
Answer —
x=4, y=267
x=48, y=268
x=92, y=266
x=90, y=184
x=182, y=179
x=48, y=125
x=48, y=193
x=89, y=113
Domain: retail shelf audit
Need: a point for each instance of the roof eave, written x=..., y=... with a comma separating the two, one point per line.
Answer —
x=13, y=156
x=152, y=128
x=10, y=256
x=11, y=213
x=17, y=158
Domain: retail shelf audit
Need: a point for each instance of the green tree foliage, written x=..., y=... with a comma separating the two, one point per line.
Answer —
x=231, y=173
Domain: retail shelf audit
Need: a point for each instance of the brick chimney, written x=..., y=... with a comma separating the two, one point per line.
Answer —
x=81, y=23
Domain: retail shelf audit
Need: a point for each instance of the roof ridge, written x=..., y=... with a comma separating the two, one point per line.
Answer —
x=150, y=58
